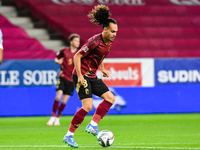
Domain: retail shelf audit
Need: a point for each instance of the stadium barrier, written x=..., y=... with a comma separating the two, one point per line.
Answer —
x=140, y=86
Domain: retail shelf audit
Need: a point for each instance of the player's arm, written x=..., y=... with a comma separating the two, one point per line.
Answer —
x=59, y=57
x=58, y=61
x=104, y=71
x=1, y=47
x=1, y=55
x=77, y=64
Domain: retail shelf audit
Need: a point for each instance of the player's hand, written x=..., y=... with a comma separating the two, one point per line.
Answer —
x=105, y=73
x=60, y=61
x=81, y=81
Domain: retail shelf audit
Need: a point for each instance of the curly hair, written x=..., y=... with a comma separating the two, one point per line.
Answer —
x=100, y=15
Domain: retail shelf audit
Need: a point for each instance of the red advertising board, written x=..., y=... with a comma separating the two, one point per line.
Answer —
x=122, y=74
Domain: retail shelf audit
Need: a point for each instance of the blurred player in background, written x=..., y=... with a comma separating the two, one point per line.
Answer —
x=65, y=84
x=1, y=47
x=86, y=61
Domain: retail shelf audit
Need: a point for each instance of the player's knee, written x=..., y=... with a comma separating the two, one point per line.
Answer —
x=112, y=99
x=88, y=108
x=57, y=98
x=64, y=102
x=109, y=97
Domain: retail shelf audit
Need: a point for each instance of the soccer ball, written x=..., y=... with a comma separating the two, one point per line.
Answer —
x=105, y=138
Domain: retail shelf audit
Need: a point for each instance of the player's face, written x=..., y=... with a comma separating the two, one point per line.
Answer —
x=111, y=31
x=75, y=42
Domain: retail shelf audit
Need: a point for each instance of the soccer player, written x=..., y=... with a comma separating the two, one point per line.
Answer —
x=1, y=47
x=86, y=61
x=65, y=84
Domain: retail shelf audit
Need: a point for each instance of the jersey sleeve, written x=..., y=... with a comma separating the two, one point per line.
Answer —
x=60, y=54
x=89, y=46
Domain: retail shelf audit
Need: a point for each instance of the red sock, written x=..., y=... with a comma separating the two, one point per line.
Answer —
x=77, y=119
x=101, y=111
x=60, y=109
x=55, y=107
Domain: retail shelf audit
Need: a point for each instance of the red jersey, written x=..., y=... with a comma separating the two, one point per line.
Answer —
x=93, y=51
x=68, y=63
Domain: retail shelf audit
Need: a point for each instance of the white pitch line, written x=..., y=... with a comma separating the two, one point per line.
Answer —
x=116, y=147
x=155, y=143
x=155, y=147
x=9, y=146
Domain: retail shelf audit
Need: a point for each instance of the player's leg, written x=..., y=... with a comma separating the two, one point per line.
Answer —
x=85, y=94
x=100, y=89
x=104, y=106
x=77, y=120
x=60, y=109
x=80, y=114
x=63, y=104
x=67, y=88
x=59, y=89
x=55, y=107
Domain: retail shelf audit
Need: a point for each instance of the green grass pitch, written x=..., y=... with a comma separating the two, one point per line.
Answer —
x=134, y=132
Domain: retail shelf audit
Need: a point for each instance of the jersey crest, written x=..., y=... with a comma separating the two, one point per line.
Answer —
x=85, y=49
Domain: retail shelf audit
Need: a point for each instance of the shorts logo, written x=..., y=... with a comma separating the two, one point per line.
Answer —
x=86, y=91
x=85, y=49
